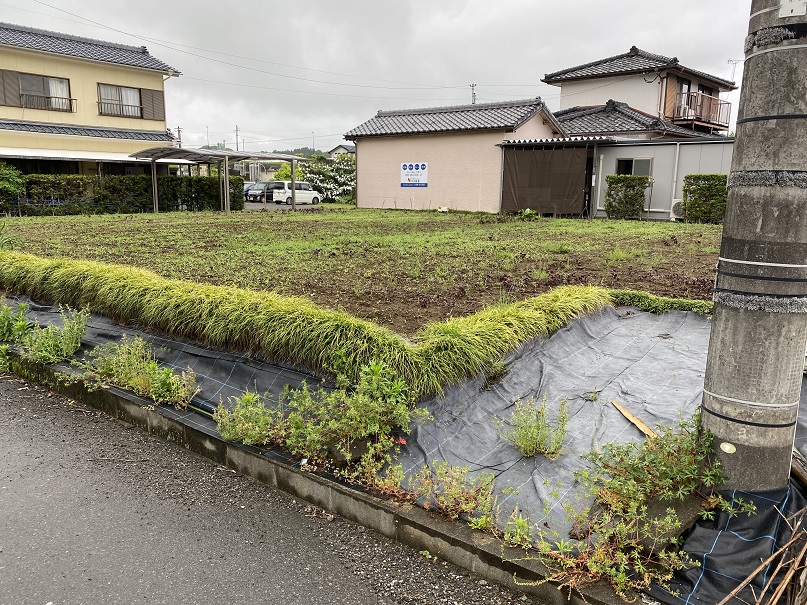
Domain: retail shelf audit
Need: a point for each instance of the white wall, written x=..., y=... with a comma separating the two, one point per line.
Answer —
x=633, y=90
x=693, y=158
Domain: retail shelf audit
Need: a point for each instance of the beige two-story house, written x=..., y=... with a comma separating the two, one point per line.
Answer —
x=641, y=95
x=77, y=105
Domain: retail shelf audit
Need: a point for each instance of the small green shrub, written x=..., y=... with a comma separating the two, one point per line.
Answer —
x=625, y=197
x=5, y=361
x=528, y=214
x=451, y=491
x=518, y=532
x=532, y=432
x=173, y=389
x=705, y=198
x=14, y=326
x=52, y=344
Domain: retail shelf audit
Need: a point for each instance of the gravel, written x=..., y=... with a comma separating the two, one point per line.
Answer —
x=125, y=460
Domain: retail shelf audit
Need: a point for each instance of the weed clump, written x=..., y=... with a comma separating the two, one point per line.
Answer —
x=345, y=425
x=52, y=344
x=533, y=433
x=453, y=492
x=130, y=364
x=618, y=539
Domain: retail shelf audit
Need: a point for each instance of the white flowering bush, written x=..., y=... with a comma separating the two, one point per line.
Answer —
x=335, y=180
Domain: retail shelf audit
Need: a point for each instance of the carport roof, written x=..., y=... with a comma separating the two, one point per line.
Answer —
x=210, y=156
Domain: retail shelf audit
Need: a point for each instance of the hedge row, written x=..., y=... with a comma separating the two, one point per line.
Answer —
x=299, y=331
x=625, y=197
x=76, y=194
x=704, y=198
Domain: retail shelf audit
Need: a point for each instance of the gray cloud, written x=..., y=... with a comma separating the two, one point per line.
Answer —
x=282, y=70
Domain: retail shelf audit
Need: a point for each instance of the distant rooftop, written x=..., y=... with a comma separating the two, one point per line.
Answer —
x=635, y=61
x=616, y=118
x=42, y=40
x=457, y=118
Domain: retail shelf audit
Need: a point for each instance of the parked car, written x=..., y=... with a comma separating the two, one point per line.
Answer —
x=305, y=194
x=247, y=186
x=255, y=193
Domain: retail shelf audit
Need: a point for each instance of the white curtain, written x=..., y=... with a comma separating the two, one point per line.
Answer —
x=130, y=98
x=59, y=93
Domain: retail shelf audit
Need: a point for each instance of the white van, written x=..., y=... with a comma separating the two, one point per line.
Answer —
x=281, y=192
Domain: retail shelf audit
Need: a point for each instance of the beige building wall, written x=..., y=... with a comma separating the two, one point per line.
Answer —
x=633, y=90
x=84, y=77
x=464, y=169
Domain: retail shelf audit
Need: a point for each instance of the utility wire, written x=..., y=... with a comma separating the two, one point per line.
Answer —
x=255, y=69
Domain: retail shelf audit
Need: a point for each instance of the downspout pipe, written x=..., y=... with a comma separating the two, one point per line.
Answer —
x=756, y=350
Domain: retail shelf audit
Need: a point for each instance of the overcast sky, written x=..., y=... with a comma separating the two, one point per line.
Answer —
x=287, y=72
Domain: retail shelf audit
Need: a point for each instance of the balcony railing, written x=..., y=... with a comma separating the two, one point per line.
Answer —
x=30, y=101
x=699, y=107
x=109, y=108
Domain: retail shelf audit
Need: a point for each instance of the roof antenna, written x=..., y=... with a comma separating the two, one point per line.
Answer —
x=473, y=94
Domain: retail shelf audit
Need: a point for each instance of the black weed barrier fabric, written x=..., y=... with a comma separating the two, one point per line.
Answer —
x=729, y=549
x=652, y=364
x=220, y=375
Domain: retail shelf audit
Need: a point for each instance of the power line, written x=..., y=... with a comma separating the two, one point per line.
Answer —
x=255, y=69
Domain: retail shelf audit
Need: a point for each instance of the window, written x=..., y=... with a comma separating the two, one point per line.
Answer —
x=634, y=166
x=44, y=92
x=119, y=101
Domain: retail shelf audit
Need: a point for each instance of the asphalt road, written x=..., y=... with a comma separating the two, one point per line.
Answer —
x=93, y=511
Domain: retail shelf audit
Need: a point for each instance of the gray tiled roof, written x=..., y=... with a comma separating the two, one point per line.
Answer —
x=616, y=118
x=635, y=60
x=86, y=131
x=83, y=48
x=483, y=116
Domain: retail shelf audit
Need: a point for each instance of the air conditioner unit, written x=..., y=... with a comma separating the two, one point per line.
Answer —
x=677, y=211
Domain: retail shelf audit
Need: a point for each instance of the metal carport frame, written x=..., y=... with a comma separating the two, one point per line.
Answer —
x=213, y=156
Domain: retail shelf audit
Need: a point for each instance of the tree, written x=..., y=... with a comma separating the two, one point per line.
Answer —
x=334, y=180
x=284, y=173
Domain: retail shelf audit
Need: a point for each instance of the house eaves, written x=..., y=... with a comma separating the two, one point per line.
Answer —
x=635, y=61
x=86, y=131
x=66, y=45
x=506, y=116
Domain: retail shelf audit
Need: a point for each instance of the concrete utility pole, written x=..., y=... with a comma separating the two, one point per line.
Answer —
x=759, y=331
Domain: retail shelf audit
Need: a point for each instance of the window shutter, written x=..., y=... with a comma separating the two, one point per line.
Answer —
x=153, y=104
x=11, y=88
x=146, y=98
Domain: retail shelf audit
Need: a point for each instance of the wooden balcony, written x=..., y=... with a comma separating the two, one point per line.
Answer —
x=698, y=109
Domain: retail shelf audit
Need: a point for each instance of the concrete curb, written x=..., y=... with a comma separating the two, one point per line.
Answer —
x=479, y=553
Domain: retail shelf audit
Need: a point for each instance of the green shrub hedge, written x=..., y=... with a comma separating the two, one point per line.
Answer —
x=625, y=196
x=704, y=198
x=61, y=194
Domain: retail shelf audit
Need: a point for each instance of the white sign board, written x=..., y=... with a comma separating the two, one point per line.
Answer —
x=792, y=8
x=414, y=174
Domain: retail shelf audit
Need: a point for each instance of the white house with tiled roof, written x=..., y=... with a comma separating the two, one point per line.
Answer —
x=78, y=105
x=650, y=84
x=443, y=157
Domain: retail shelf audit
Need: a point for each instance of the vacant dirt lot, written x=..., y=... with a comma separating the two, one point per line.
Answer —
x=401, y=269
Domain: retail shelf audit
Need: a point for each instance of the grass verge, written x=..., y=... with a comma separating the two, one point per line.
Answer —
x=296, y=330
